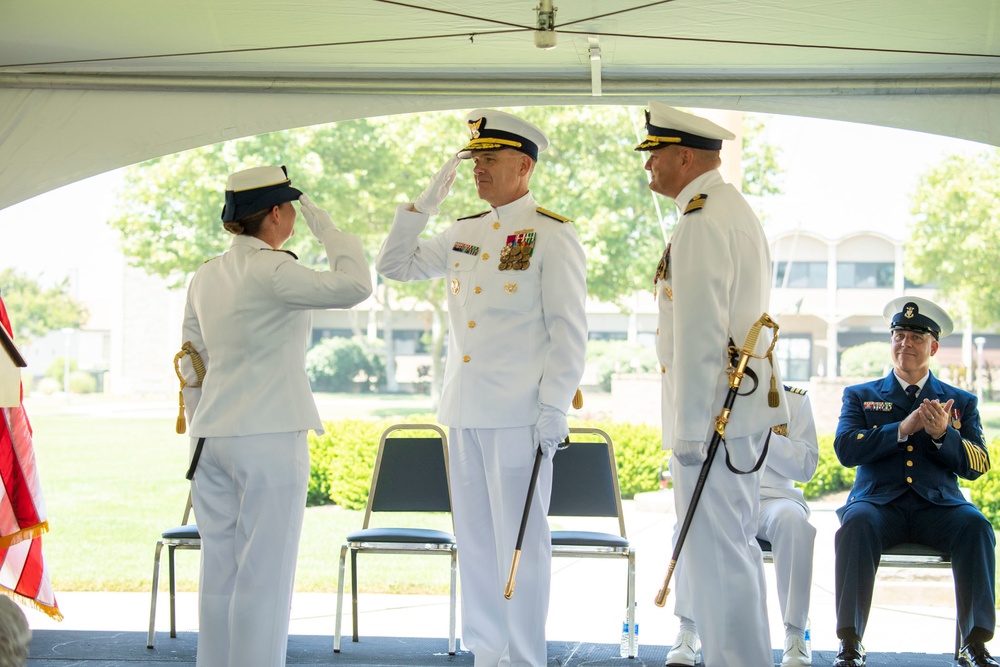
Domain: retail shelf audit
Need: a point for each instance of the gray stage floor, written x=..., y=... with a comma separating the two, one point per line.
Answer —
x=62, y=648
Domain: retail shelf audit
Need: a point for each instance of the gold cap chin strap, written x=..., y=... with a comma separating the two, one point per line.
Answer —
x=199, y=370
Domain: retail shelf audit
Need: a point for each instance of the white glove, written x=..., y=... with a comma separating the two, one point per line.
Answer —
x=550, y=430
x=440, y=185
x=318, y=220
x=690, y=452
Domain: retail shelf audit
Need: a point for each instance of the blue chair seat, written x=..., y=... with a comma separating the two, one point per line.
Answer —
x=586, y=538
x=408, y=535
x=188, y=532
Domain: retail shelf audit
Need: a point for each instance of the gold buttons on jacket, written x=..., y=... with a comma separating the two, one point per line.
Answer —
x=657, y=331
x=909, y=448
x=909, y=464
x=477, y=289
x=496, y=225
x=909, y=480
x=466, y=358
x=663, y=369
x=472, y=324
x=456, y=265
x=486, y=256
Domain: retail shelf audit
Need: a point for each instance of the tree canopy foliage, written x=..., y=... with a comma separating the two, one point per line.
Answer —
x=954, y=240
x=35, y=310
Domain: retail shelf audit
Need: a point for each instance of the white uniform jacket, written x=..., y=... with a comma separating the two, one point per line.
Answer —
x=248, y=316
x=518, y=336
x=717, y=285
x=792, y=457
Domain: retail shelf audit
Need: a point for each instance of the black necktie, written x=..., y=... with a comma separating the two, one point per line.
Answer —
x=911, y=393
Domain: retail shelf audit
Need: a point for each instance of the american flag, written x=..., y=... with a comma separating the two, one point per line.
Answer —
x=23, y=575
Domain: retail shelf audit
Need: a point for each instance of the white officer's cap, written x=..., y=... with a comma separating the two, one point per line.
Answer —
x=254, y=190
x=912, y=313
x=667, y=126
x=491, y=130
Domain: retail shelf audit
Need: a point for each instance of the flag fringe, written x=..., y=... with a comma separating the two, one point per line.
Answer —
x=30, y=533
x=51, y=611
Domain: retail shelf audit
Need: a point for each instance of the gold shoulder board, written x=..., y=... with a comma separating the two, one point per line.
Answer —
x=550, y=214
x=795, y=390
x=475, y=215
x=696, y=203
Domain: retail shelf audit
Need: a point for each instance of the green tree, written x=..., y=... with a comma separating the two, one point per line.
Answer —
x=35, y=310
x=761, y=167
x=954, y=240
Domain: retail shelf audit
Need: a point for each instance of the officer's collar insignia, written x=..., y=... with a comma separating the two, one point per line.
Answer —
x=696, y=203
x=878, y=406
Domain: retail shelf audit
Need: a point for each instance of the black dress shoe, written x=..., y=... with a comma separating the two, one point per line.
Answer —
x=974, y=654
x=852, y=654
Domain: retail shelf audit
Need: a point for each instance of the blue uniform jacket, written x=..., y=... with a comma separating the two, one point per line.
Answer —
x=867, y=435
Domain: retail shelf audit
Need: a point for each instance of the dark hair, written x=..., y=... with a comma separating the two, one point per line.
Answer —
x=248, y=226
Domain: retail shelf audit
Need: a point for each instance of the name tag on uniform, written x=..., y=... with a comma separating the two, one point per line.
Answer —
x=878, y=406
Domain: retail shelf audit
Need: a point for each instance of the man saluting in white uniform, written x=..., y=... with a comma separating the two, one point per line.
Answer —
x=516, y=290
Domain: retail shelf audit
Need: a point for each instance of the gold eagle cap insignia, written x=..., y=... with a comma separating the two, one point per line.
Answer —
x=908, y=313
x=475, y=126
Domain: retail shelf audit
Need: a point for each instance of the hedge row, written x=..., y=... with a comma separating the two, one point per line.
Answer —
x=343, y=459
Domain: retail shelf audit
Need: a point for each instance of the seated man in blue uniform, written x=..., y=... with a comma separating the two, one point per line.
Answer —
x=911, y=437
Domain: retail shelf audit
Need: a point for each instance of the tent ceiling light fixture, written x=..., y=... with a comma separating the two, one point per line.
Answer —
x=545, y=27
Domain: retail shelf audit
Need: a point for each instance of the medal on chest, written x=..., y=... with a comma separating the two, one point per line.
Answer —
x=516, y=254
x=662, y=273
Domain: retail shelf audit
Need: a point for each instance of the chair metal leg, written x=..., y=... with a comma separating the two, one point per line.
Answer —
x=630, y=595
x=173, y=592
x=340, y=600
x=354, y=593
x=452, y=648
x=151, y=637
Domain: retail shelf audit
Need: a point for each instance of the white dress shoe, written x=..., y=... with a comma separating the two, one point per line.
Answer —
x=686, y=651
x=796, y=654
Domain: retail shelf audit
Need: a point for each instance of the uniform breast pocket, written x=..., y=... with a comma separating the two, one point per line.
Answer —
x=460, y=277
x=515, y=290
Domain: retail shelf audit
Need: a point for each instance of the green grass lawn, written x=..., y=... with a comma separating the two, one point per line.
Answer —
x=113, y=485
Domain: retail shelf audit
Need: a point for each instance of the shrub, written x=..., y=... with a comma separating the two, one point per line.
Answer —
x=869, y=360
x=342, y=461
x=610, y=357
x=985, y=491
x=339, y=364
x=831, y=476
x=638, y=454
x=82, y=382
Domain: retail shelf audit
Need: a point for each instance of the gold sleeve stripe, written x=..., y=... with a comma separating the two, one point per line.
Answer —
x=978, y=460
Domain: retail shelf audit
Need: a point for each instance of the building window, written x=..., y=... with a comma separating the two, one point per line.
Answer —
x=794, y=354
x=866, y=275
x=799, y=275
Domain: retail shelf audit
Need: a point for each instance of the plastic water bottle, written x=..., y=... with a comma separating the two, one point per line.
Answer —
x=626, y=630
x=808, y=638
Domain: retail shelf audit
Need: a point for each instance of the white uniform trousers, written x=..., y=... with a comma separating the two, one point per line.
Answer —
x=784, y=523
x=249, y=496
x=490, y=472
x=723, y=582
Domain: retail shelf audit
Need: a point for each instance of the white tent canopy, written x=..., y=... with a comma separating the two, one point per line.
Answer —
x=86, y=87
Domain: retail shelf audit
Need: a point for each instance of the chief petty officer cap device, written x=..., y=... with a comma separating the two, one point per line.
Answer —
x=912, y=313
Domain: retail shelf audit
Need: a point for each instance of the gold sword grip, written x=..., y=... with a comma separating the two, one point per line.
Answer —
x=199, y=370
x=661, y=595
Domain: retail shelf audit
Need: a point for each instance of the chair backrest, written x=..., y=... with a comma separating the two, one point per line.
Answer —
x=585, y=478
x=411, y=473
